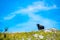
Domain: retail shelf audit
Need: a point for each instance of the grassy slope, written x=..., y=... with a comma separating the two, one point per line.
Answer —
x=30, y=35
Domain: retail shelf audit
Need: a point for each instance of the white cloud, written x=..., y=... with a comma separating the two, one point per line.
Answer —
x=9, y=17
x=35, y=7
x=34, y=19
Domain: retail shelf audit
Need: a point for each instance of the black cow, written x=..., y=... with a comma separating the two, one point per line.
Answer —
x=40, y=27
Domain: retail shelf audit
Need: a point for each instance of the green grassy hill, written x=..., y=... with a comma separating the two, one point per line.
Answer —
x=51, y=34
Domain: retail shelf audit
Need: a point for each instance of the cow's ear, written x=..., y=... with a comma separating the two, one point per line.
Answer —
x=38, y=25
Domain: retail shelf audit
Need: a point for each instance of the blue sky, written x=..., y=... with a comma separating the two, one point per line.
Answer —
x=23, y=15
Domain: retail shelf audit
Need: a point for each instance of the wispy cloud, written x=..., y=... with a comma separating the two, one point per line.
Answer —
x=35, y=7
x=30, y=10
x=9, y=17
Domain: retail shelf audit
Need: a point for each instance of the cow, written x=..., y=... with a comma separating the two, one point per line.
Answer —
x=40, y=27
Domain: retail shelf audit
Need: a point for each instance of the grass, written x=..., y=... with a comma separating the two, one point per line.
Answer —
x=34, y=35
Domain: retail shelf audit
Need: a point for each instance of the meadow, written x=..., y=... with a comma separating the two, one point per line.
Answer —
x=51, y=34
